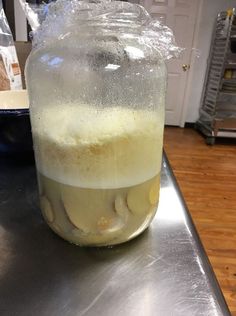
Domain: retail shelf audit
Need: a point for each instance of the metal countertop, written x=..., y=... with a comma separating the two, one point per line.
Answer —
x=163, y=272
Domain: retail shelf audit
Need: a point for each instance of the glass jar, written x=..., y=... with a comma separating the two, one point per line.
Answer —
x=97, y=99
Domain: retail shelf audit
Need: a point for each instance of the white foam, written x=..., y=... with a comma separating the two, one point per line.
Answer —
x=110, y=148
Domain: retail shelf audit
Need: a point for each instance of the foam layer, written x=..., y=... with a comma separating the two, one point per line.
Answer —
x=110, y=148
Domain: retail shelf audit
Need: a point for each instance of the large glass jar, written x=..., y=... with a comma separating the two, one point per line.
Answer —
x=97, y=97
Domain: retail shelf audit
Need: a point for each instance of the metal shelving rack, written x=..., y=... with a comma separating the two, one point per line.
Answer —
x=218, y=105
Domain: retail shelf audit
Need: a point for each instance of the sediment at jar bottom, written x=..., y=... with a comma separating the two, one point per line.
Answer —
x=98, y=217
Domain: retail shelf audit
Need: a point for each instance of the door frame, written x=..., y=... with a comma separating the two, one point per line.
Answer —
x=193, y=57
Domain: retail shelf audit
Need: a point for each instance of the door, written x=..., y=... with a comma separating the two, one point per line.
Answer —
x=180, y=16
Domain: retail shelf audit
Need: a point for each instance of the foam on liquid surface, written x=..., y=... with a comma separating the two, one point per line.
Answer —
x=110, y=148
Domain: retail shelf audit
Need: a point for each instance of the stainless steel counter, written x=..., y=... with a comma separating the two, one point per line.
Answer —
x=163, y=272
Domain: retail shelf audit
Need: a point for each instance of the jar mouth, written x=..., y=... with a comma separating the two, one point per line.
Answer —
x=121, y=16
x=73, y=16
x=64, y=15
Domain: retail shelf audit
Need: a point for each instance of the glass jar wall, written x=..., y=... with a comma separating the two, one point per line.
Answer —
x=97, y=99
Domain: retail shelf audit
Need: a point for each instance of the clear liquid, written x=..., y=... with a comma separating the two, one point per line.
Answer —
x=98, y=217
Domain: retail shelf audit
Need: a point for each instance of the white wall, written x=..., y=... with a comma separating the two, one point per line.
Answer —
x=20, y=22
x=210, y=9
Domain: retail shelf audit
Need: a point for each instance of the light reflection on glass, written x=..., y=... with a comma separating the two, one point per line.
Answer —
x=134, y=52
x=51, y=61
x=56, y=61
x=112, y=67
x=45, y=57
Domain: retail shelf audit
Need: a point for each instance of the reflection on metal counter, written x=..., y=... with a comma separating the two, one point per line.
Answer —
x=163, y=272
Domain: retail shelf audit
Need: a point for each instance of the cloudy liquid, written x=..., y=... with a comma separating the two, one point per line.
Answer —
x=98, y=216
x=98, y=172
